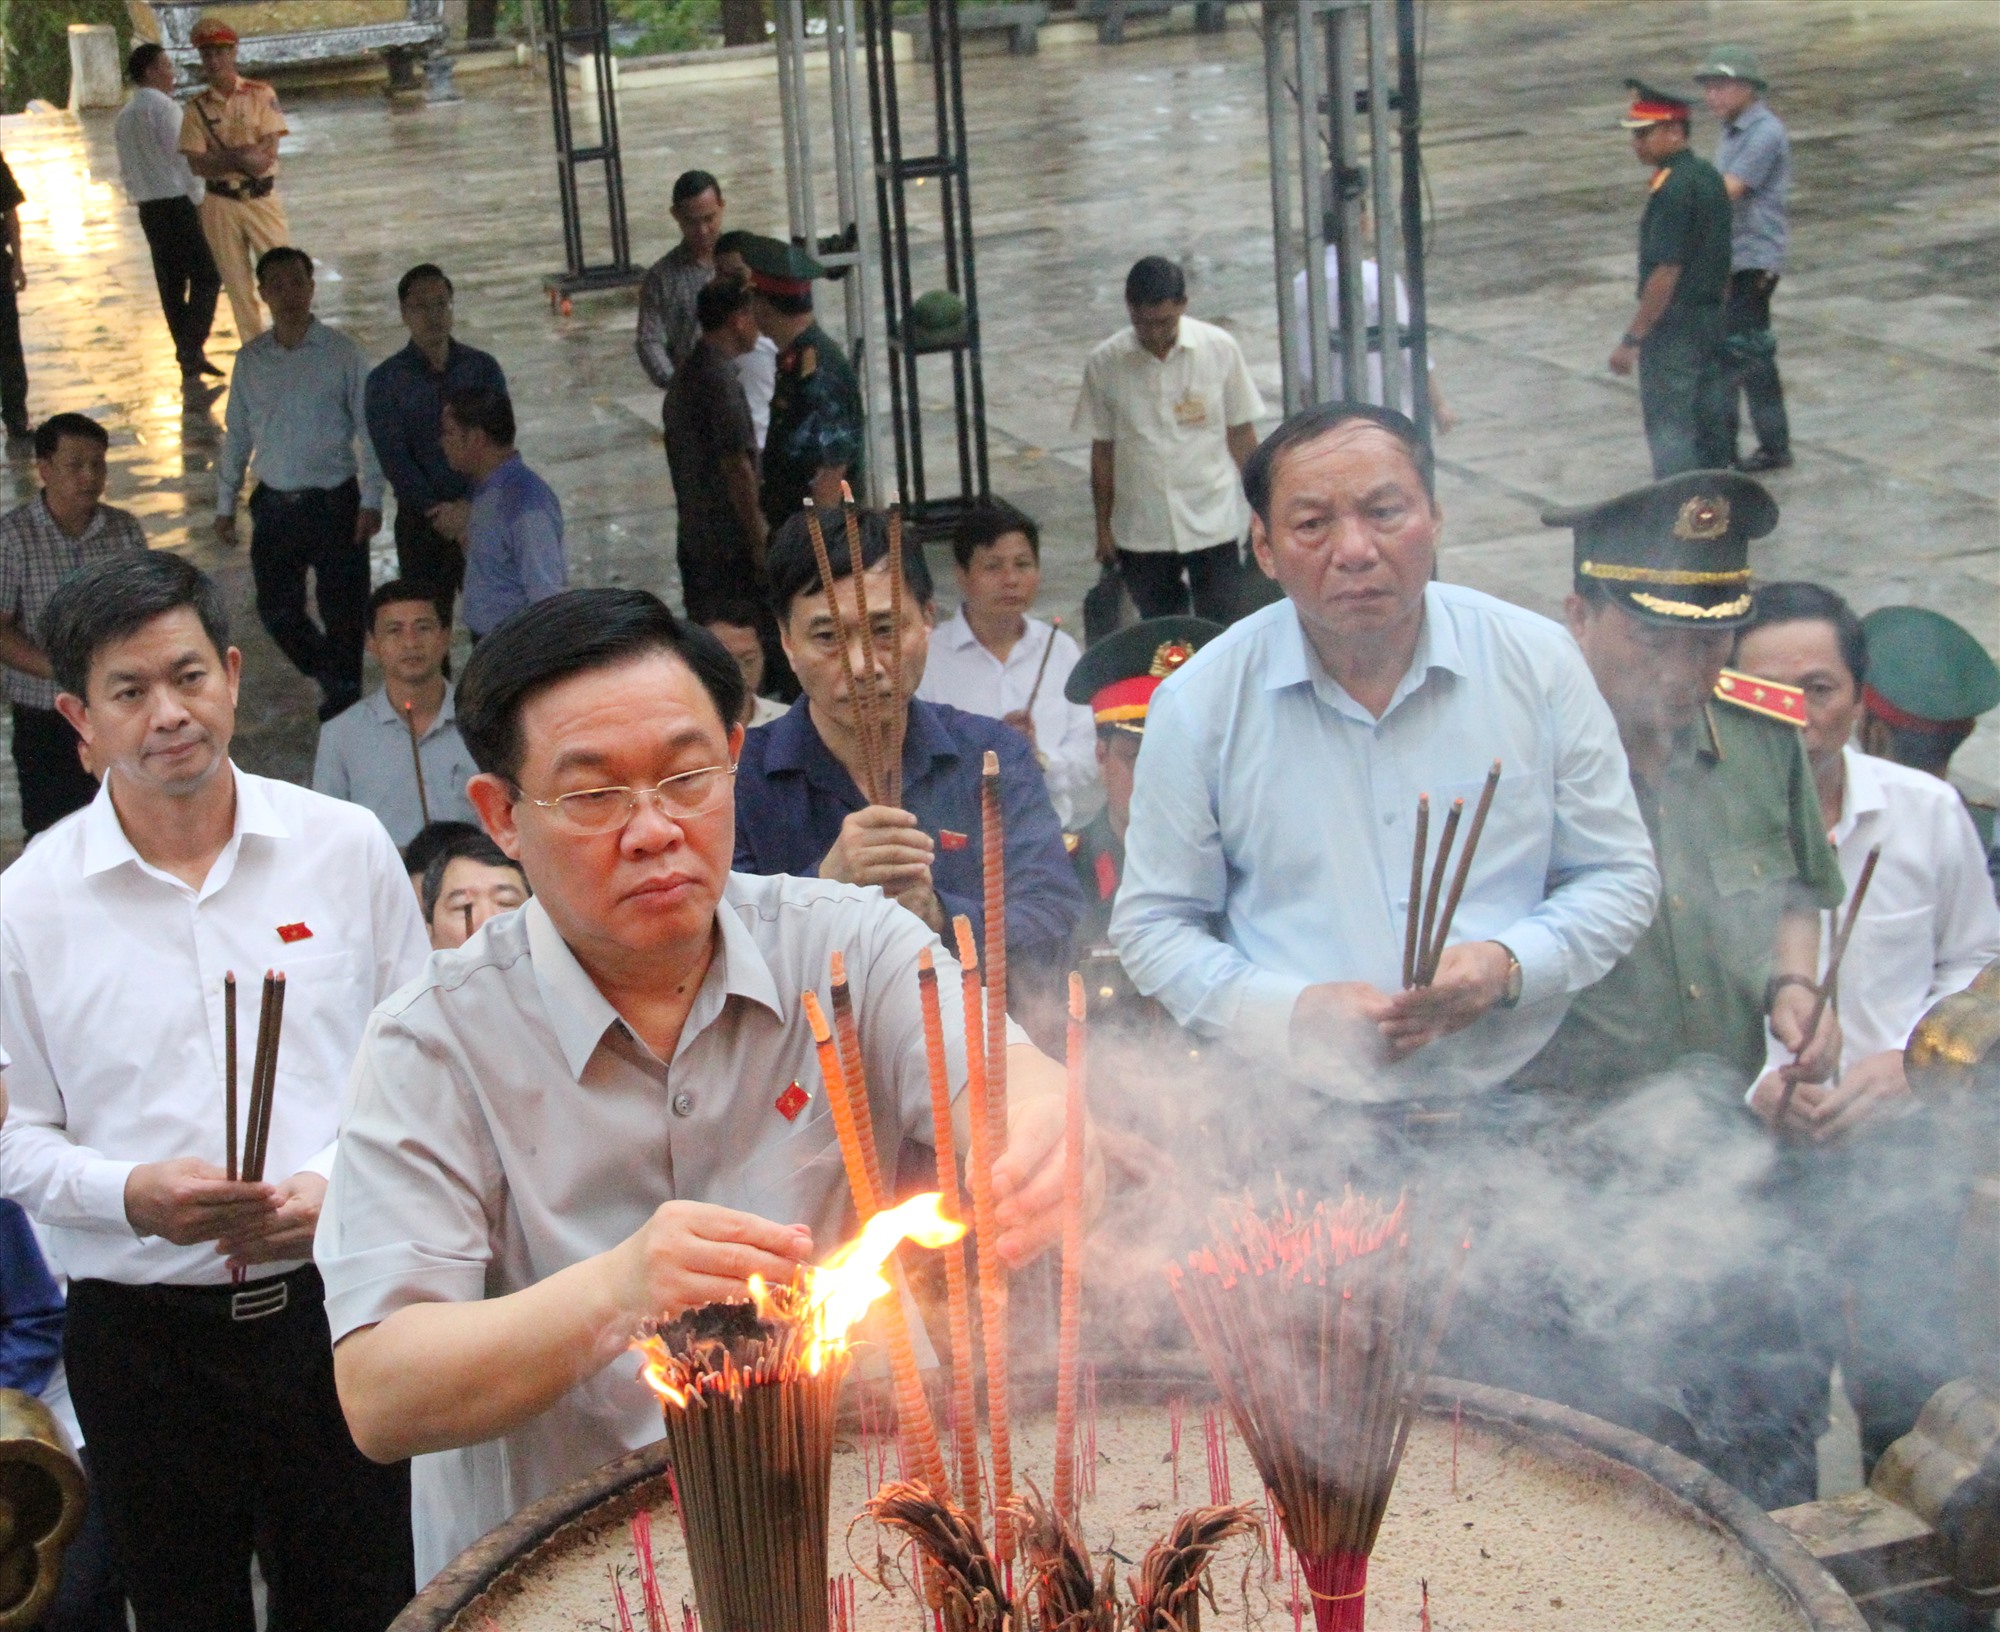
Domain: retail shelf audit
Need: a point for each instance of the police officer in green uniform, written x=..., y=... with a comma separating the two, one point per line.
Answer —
x=815, y=440
x=1116, y=679
x=1675, y=338
x=1645, y=1080
x=1928, y=683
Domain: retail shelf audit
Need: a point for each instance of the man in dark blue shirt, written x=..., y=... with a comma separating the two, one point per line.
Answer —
x=406, y=395
x=799, y=801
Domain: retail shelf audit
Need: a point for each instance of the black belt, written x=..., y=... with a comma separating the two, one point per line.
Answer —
x=253, y=1300
x=238, y=191
x=299, y=495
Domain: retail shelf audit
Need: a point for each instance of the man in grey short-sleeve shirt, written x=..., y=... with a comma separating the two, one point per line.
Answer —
x=606, y=1107
x=1755, y=158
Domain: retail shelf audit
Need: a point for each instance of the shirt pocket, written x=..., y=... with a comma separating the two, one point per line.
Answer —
x=1763, y=864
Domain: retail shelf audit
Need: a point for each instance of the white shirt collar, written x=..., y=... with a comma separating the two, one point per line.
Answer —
x=1862, y=796
x=105, y=844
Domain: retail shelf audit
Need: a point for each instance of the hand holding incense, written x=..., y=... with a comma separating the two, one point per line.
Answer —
x=1827, y=987
x=1071, y=1318
x=964, y=1362
x=986, y=1236
x=417, y=762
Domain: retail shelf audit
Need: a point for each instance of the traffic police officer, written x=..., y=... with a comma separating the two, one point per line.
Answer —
x=1116, y=680
x=1928, y=683
x=230, y=133
x=1676, y=336
x=816, y=439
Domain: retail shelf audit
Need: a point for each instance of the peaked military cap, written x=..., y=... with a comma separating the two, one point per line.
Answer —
x=212, y=31
x=1677, y=552
x=1651, y=107
x=1926, y=673
x=779, y=268
x=1118, y=676
x=1733, y=62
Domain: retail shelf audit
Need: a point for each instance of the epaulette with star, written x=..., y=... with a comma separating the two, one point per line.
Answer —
x=1771, y=698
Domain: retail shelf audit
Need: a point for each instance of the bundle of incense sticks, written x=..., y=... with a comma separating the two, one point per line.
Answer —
x=1070, y=1321
x=1425, y=928
x=986, y=1232
x=1319, y=1329
x=878, y=721
x=249, y=1164
x=1836, y=954
x=847, y=1101
x=751, y=1428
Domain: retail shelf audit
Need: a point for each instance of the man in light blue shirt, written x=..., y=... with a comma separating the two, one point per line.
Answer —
x=1268, y=860
x=514, y=531
x=297, y=401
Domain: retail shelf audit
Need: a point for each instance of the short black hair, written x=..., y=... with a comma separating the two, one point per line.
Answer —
x=1260, y=471
x=737, y=612
x=577, y=632
x=1154, y=278
x=115, y=598
x=140, y=62
x=422, y=272
x=51, y=431
x=718, y=301
x=279, y=255
x=483, y=408
x=408, y=589
x=432, y=838
x=1794, y=601
x=793, y=570
x=693, y=183
x=471, y=845
x=988, y=523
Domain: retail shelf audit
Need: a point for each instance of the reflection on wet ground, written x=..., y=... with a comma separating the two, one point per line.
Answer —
x=1086, y=157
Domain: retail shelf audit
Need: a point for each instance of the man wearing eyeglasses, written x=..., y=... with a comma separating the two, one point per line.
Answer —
x=605, y=1108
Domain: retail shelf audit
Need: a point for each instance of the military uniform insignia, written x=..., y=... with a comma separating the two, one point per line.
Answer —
x=1071, y=841
x=808, y=361
x=1169, y=656
x=1771, y=698
x=1703, y=519
x=1660, y=178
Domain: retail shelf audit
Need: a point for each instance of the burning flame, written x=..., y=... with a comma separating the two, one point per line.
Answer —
x=831, y=1298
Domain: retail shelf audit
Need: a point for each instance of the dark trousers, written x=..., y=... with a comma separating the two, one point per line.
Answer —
x=312, y=530
x=425, y=556
x=1683, y=392
x=13, y=366
x=1159, y=581
x=715, y=569
x=52, y=778
x=1750, y=362
x=185, y=271
x=211, y=1437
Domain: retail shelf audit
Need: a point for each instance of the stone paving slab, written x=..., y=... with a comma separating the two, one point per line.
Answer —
x=1889, y=317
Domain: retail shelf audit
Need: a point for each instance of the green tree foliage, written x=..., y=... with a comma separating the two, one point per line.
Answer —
x=36, y=39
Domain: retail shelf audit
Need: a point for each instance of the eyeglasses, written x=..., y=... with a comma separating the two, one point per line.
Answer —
x=604, y=810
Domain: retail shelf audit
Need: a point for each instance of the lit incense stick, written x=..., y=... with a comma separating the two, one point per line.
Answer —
x=1068, y=1329
x=417, y=762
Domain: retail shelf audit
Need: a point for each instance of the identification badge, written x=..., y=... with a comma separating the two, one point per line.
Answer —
x=1191, y=412
x=948, y=840
x=792, y=1101
x=289, y=933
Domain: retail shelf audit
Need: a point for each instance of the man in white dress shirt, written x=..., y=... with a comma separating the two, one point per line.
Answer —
x=606, y=1107
x=990, y=657
x=209, y=1406
x=159, y=181
x=1881, y=1185
x=298, y=401
x=1168, y=403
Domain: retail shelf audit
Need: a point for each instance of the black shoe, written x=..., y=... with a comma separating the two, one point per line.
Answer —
x=1765, y=459
x=206, y=367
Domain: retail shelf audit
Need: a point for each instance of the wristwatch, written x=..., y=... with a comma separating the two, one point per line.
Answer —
x=1512, y=997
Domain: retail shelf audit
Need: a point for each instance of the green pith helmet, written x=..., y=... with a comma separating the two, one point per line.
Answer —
x=1733, y=62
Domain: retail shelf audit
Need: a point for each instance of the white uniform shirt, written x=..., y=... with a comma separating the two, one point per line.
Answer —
x=150, y=161
x=1174, y=484
x=1371, y=314
x=111, y=1003
x=1929, y=923
x=504, y=1124
x=963, y=673
x=757, y=369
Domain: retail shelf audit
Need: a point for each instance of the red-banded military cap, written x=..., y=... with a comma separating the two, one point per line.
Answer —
x=779, y=268
x=1117, y=677
x=1651, y=107
x=211, y=31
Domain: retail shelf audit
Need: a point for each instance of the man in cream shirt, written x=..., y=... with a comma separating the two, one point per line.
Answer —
x=1168, y=403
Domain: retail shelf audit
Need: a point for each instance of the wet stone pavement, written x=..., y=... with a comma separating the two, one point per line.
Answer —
x=1086, y=157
